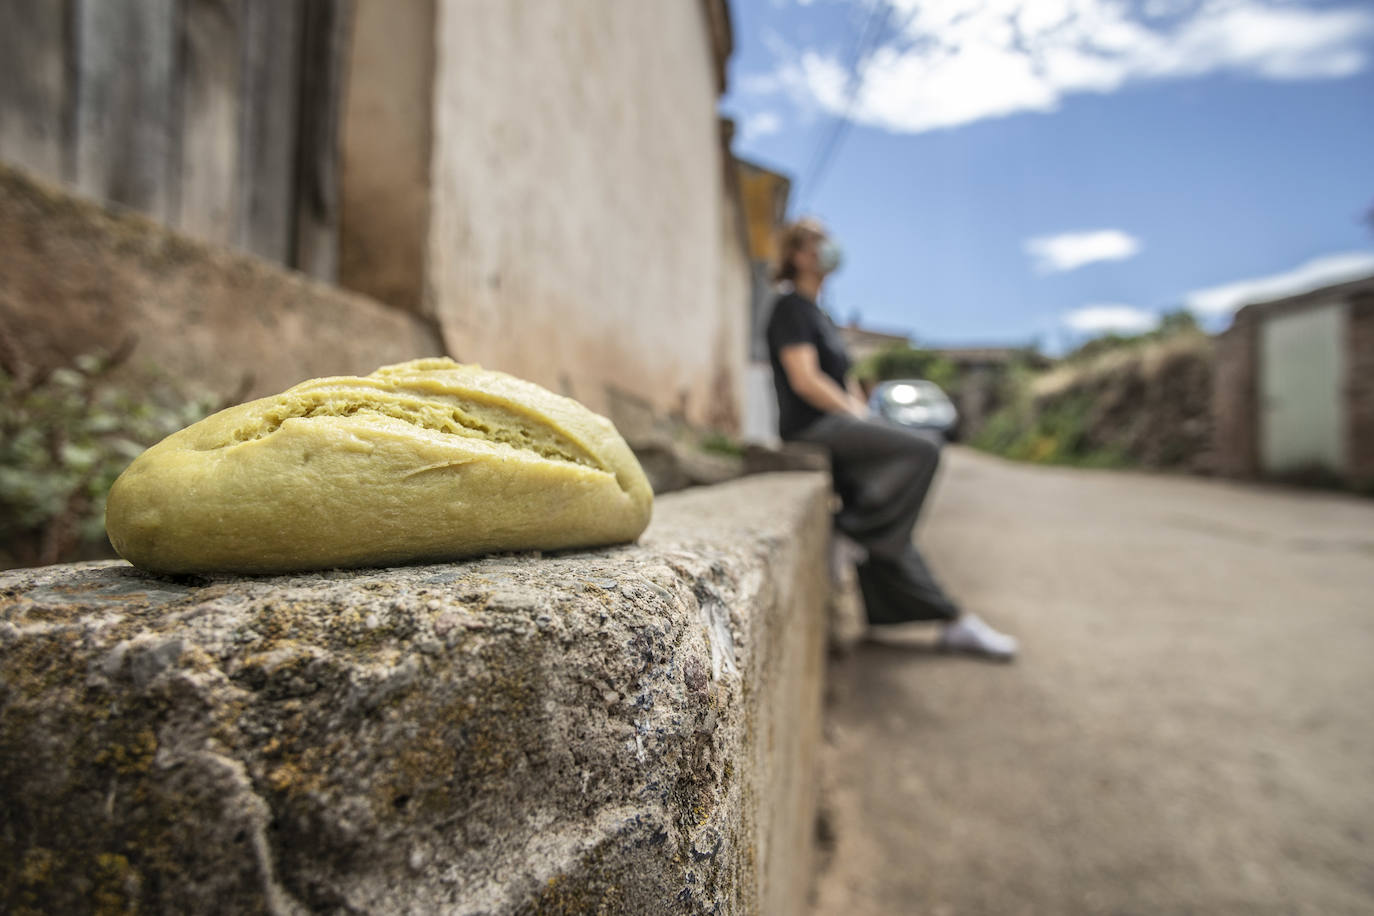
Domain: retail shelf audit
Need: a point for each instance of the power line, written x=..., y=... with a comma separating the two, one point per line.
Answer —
x=878, y=16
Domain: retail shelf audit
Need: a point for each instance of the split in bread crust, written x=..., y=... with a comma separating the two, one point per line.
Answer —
x=422, y=460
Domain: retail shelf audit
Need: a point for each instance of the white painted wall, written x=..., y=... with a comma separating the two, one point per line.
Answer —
x=728, y=405
x=761, y=405
x=385, y=148
x=576, y=212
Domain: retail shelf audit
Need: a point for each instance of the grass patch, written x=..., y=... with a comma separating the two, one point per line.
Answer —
x=720, y=444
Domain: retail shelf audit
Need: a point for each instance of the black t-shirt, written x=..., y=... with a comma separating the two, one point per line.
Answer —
x=798, y=320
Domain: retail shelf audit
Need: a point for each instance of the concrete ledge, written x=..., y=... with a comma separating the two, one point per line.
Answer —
x=631, y=730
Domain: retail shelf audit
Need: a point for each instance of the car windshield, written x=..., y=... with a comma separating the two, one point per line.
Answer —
x=906, y=394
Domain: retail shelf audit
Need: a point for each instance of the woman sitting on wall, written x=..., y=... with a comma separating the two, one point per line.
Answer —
x=882, y=471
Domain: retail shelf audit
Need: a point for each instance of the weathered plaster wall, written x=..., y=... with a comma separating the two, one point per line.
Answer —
x=623, y=731
x=576, y=211
x=385, y=151
x=761, y=405
x=1238, y=413
x=727, y=406
x=77, y=277
x=1359, y=366
x=1235, y=404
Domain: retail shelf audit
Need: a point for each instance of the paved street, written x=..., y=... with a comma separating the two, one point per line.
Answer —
x=1190, y=728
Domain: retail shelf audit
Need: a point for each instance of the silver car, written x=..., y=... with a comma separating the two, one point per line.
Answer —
x=916, y=403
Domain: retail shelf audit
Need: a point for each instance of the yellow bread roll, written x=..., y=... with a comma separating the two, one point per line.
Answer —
x=425, y=460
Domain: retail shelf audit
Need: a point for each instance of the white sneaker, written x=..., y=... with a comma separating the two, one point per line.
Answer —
x=971, y=634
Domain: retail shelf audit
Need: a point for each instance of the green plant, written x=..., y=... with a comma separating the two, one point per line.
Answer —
x=1055, y=431
x=1171, y=324
x=908, y=362
x=65, y=436
x=721, y=444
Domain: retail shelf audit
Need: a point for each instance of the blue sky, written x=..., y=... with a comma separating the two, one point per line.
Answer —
x=1021, y=170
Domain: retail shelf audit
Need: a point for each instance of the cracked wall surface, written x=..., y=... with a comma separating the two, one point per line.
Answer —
x=626, y=730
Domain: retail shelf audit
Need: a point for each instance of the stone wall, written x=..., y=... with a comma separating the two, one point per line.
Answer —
x=622, y=731
x=76, y=276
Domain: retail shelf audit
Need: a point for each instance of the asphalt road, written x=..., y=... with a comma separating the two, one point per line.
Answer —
x=1189, y=729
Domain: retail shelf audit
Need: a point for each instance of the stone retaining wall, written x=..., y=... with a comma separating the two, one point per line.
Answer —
x=630, y=730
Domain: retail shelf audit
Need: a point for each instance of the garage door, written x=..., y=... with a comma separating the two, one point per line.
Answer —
x=1302, y=359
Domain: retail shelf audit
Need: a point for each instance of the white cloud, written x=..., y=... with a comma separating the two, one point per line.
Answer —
x=1314, y=274
x=954, y=62
x=1100, y=319
x=1072, y=250
x=1161, y=8
x=759, y=124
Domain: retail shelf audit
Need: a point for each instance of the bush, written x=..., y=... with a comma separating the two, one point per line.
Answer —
x=64, y=438
x=1171, y=324
x=1147, y=405
x=907, y=362
x=1053, y=433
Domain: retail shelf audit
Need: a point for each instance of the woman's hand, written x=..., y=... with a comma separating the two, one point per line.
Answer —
x=858, y=404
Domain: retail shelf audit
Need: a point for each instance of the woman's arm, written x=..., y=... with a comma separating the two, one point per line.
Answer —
x=813, y=386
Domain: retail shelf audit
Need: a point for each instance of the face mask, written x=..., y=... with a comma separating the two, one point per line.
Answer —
x=828, y=256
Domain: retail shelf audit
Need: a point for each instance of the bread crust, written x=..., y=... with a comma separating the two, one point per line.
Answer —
x=421, y=461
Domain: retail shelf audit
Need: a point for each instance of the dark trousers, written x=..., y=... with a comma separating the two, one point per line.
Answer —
x=882, y=473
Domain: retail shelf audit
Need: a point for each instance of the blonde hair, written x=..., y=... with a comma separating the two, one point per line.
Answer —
x=794, y=237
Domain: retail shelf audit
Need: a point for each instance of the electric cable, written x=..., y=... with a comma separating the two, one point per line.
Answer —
x=879, y=14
